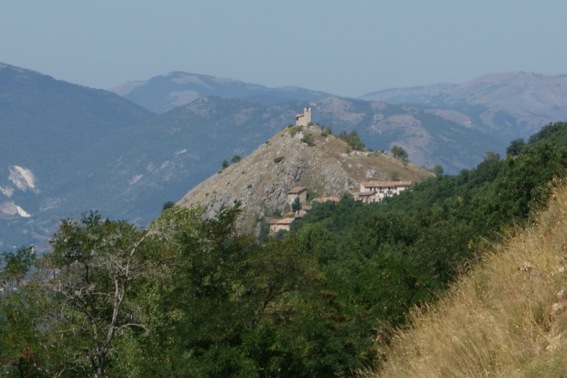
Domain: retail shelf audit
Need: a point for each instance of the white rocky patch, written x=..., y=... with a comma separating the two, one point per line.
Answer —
x=22, y=178
x=166, y=165
x=51, y=203
x=181, y=152
x=135, y=179
x=10, y=208
x=7, y=191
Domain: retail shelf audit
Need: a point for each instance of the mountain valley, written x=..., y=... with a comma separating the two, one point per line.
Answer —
x=68, y=149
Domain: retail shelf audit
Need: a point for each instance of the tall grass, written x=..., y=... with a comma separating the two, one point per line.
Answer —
x=507, y=318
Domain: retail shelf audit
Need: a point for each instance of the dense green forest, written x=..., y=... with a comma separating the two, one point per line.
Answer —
x=187, y=297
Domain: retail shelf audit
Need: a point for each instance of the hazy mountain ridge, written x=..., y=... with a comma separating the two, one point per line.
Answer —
x=488, y=111
x=428, y=138
x=510, y=105
x=54, y=131
x=165, y=92
x=411, y=95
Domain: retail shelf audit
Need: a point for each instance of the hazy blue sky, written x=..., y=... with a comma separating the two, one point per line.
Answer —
x=347, y=47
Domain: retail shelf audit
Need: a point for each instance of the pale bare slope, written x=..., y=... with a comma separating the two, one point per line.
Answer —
x=508, y=318
x=328, y=168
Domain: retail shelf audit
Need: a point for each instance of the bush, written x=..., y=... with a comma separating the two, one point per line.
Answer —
x=400, y=153
x=309, y=139
x=352, y=139
x=294, y=130
x=278, y=159
x=168, y=205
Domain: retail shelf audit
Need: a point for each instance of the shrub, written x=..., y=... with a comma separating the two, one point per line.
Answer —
x=400, y=153
x=309, y=139
x=352, y=139
x=294, y=130
x=168, y=205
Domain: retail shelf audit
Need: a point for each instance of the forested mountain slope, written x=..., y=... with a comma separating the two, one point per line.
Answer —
x=57, y=141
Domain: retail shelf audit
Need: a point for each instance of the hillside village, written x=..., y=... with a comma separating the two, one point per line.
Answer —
x=370, y=191
x=297, y=198
x=302, y=164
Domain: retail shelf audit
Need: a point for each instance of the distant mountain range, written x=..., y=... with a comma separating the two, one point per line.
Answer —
x=497, y=108
x=509, y=105
x=57, y=141
x=163, y=93
x=66, y=149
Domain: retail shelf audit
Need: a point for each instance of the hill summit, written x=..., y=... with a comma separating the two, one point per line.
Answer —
x=308, y=156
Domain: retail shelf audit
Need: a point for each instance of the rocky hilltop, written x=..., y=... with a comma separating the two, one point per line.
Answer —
x=296, y=156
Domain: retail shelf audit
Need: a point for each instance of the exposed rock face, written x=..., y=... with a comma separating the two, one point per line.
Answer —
x=327, y=167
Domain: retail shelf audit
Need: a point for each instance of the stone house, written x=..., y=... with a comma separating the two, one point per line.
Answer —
x=297, y=192
x=327, y=199
x=280, y=224
x=303, y=119
x=376, y=191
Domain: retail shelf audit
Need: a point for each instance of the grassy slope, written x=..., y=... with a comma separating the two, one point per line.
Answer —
x=508, y=318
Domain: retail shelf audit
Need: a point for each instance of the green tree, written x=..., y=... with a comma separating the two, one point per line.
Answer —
x=296, y=204
x=235, y=159
x=98, y=262
x=437, y=170
x=400, y=153
x=21, y=306
x=168, y=205
x=308, y=139
x=352, y=139
x=515, y=147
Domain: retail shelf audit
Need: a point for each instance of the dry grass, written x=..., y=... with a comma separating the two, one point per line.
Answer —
x=508, y=318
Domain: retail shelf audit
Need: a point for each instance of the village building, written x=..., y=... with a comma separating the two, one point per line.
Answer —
x=303, y=119
x=280, y=224
x=327, y=199
x=376, y=191
x=370, y=191
x=297, y=192
x=299, y=214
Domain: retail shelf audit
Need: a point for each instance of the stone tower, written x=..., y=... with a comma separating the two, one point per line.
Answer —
x=305, y=118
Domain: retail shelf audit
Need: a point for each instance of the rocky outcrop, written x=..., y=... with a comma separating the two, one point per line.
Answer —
x=327, y=167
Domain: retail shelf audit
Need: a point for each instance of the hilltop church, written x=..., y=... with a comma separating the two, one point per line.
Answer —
x=303, y=119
